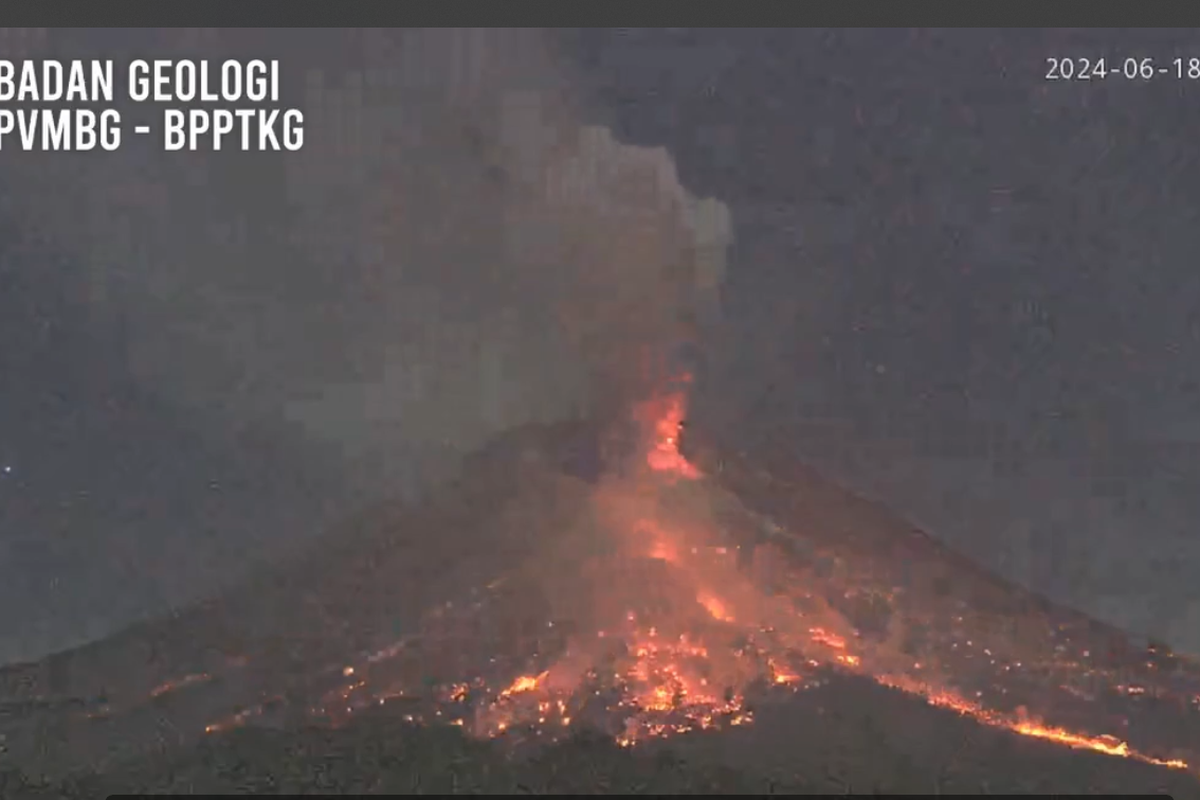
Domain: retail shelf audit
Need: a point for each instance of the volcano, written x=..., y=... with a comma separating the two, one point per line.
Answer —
x=687, y=595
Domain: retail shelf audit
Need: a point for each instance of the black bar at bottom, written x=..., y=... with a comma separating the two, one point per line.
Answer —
x=828, y=796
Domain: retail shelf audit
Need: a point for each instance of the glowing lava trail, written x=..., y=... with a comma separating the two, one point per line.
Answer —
x=680, y=606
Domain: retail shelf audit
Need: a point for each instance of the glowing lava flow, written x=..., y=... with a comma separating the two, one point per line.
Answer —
x=682, y=621
x=1109, y=745
x=663, y=456
x=667, y=415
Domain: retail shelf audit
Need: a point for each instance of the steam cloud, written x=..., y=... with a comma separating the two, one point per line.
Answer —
x=454, y=253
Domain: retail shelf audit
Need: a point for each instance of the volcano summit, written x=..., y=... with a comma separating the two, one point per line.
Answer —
x=669, y=597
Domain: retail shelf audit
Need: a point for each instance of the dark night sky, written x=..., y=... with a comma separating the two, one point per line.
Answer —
x=983, y=283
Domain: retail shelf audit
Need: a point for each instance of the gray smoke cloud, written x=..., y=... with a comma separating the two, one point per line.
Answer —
x=454, y=253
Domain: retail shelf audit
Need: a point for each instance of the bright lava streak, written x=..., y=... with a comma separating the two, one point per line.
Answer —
x=686, y=669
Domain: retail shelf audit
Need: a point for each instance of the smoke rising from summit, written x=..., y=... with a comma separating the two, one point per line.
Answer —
x=453, y=253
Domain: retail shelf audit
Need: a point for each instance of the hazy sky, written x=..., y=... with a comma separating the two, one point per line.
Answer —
x=987, y=280
x=210, y=359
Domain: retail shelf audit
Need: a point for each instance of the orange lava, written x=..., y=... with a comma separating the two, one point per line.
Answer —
x=666, y=416
x=686, y=663
x=180, y=683
x=240, y=718
x=524, y=683
x=1109, y=745
x=713, y=605
x=673, y=689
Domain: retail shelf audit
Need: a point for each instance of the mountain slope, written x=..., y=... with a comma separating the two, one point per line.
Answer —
x=836, y=629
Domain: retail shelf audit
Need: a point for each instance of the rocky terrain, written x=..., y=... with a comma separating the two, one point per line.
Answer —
x=804, y=640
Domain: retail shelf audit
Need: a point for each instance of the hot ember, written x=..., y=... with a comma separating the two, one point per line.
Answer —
x=673, y=605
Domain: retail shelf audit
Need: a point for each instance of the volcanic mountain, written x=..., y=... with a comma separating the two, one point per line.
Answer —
x=684, y=598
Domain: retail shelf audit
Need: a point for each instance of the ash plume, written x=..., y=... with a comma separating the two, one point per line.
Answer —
x=454, y=253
